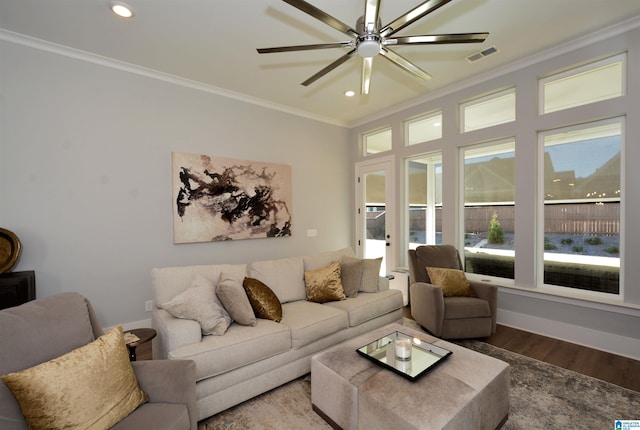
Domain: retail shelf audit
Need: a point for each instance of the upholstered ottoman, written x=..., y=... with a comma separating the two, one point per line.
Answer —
x=469, y=390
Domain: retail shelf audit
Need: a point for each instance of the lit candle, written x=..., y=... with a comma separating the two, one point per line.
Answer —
x=403, y=349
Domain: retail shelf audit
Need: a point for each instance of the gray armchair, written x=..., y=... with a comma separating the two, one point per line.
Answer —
x=47, y=328
x=449, y=317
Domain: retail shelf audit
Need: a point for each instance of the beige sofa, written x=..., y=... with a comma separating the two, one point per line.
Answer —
x=47, y=328
x=250, y=360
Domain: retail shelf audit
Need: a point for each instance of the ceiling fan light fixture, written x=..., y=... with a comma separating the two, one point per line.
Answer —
x=368, y=45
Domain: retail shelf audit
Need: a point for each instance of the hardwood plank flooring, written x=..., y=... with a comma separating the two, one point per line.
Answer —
x=612, y=368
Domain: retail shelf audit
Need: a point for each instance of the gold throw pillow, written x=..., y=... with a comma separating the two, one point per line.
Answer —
x=263, y=300
x=452, y=281
x=92, y=387
x=324, y=284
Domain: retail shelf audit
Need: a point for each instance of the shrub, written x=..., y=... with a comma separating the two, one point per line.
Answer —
x=578, y=248
x=496, y=234
x=566, y=241
x=593, y=240
x=548, y=246
x=612, y=250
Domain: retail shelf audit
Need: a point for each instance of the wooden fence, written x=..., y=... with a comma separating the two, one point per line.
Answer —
x=565, y=218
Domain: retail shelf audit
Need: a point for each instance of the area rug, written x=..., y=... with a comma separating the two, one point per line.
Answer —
x=542, y=396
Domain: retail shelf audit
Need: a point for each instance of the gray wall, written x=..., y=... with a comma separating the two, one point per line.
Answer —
x=85, y=174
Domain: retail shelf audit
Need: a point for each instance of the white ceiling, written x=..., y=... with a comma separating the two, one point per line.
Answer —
x=213, y=42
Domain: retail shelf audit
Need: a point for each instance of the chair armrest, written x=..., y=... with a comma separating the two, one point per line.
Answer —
x=172, y=333
x=488, y=292
x=169, y=381
x=427, y=306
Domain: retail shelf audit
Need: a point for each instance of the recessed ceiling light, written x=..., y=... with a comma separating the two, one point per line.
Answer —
x=121, y=9
x=349, y=93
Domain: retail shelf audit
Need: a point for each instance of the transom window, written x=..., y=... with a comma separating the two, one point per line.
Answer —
x=424, y=128
x=377, y=141
x=600, y=80
x=487, y=111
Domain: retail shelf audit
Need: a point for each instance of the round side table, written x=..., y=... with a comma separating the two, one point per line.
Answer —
x=144, y=334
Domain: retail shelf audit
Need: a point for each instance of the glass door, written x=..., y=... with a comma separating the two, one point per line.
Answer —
x=375, y=212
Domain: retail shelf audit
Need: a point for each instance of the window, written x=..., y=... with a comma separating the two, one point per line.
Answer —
x=377, y=141
x=489, y=208
x=424, y=194
x=424, y=128
x=579, y=86
x=582, y=197
x=487, y=111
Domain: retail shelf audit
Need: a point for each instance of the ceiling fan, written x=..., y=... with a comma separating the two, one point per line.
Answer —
x=371, y=39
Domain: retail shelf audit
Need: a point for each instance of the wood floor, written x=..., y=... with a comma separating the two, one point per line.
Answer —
x=616, y=369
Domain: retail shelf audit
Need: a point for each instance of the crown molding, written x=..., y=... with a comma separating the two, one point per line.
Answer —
x=77, y=54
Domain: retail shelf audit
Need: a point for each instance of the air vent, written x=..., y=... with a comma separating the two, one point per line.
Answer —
x=482, y=54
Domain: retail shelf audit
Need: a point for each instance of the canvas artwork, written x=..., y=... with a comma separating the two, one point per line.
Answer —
x=219, y=199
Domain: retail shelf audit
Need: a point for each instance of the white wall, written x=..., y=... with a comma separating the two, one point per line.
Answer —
x=85, y=174
x=523, y=303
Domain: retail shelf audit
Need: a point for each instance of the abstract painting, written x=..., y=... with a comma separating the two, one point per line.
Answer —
x=219, y=199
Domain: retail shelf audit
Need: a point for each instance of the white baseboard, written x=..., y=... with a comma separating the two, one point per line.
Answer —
x=603, y=341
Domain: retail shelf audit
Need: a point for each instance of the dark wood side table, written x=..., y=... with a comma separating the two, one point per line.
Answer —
x=144, y=334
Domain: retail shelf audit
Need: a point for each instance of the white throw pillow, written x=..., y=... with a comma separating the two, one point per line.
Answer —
x=200, y=303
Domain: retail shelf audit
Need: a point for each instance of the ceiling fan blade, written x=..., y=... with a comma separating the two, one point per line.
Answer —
x=411, y=16
x=318, y=14
x=437, y=39
x=371, y=15
x=404, y=64
x=305, y=47
x=329, y=68
x=367, y=63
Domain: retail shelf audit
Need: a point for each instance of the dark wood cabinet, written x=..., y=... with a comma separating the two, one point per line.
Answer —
x=17, y=288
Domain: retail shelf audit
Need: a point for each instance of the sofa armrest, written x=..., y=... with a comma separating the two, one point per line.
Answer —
x=383, y=283
x=172, y=333
x=427, y=306
x=169, y=381
x=488, y=292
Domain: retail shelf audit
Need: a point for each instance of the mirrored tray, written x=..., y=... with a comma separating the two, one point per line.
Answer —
x=406, y=355
x=9, y=250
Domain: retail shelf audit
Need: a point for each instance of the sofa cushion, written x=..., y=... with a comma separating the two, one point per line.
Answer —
x=310, y=321
x=453, y=282
x=32, y=321
x=285, y=277
x=200, y=303
x=322, y=259
x=168, y=282
x=324, y=284
x=240, y=346
x=93, y=386
x=234, y=299
x=368, y=306
x=263, y=300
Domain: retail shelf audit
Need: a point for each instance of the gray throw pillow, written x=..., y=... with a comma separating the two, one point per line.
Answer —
x=234, y=299
x=351, y=272
x=370, y=273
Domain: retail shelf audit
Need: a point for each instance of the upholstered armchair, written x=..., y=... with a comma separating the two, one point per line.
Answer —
x=447, y=316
